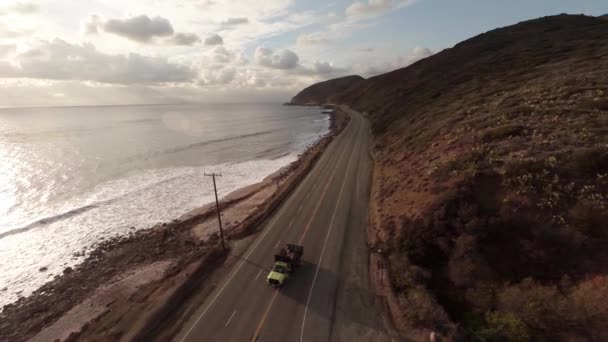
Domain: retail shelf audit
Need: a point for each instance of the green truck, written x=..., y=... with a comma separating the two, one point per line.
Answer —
x=285, y=263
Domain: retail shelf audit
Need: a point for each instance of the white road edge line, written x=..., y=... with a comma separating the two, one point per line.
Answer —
x=229, y=319
x=331, y=225
x=260, y=272
x=277, y=245
x=253, y=247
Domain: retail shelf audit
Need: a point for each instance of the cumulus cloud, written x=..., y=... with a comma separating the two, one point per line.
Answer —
x=218, y=77
x=6, y=32
x=321, y=68
x=222, y=55
x=7, y=49
x=20, y=8
x=235, y=21
x=371, y=69
x=142, y=29
x=420, y=53
x=26, y=7
x=324, y=68
x=59, y=60
x=314, y=38
x=214, y=39
x=282, y=59
x=205, y=4
x=184, y=39
x=373, y=7
x=92, y=24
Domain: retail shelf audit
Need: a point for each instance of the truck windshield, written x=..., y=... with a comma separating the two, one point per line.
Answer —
x=279, y=268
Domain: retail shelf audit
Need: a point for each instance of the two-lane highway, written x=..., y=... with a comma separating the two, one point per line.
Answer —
x=326, y=211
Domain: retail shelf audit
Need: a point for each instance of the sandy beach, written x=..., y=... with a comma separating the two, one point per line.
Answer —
x=131, y=287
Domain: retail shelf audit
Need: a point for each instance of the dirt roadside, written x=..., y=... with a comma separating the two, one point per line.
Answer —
x=379, y=270
x=139, y=285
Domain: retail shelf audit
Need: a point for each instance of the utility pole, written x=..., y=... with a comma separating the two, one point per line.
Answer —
x=217, y=206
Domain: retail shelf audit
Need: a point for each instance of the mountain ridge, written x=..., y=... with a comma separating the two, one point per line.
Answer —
x=491, y=160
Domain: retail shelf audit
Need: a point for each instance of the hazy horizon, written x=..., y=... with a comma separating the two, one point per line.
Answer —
x=146, y=104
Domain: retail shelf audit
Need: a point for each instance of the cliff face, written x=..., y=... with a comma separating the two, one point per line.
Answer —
x=491, y=173
x=322, y=93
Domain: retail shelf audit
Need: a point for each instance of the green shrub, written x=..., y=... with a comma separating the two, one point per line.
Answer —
x=540, y=307
x=504, y=327
x=590, y=307
x=590, y=217
x=421, y=308
x=495, y=327
x=591, y=161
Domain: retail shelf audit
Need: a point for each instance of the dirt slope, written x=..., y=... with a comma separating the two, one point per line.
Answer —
x=491, y=173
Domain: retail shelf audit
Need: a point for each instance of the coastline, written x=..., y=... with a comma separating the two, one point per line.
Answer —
x=131, y=283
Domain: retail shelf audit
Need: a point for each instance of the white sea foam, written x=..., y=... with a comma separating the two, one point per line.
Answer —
x=139, y=200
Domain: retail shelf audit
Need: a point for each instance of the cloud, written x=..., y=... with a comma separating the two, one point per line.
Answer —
x=321, y=68
x=420, y=53
x=21, y=8
x=324, y=68
x=59, y=60
x=6, y=32
x=222, y=55
x=92, y=24
x=374, y=7
x=315, y=38
x=214, y=39
x=7, y=49
x=283, y=59
x=184, y=39
x=26, y=7
x=235, y=21
x=205, y=4
x=371, y=69
x=367, y=49
x=141, y=28
x=218, y=77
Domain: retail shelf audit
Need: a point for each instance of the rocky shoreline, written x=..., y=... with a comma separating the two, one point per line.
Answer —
x=134, y=280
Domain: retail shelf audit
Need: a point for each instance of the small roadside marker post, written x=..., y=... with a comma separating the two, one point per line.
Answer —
x=381, y=266
x=217, y=206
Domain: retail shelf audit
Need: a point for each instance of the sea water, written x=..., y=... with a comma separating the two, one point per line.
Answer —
x=72, y=176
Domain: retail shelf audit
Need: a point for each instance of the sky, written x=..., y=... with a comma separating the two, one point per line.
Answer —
x=101, y=52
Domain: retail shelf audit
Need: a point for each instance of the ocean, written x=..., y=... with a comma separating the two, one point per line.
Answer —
x=72, y=176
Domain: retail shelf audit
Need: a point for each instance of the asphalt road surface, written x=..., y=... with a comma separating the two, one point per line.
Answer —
x=327, y=298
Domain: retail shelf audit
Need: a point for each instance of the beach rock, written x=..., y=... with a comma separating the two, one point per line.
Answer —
x=4, y=289
x=43, y=269
x=67, y=270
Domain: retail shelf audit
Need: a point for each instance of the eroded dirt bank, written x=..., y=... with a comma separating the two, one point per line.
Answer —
x=128, y=286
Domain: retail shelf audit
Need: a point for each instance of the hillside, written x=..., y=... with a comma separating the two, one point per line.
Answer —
x=491, y=182
x=320, y=92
